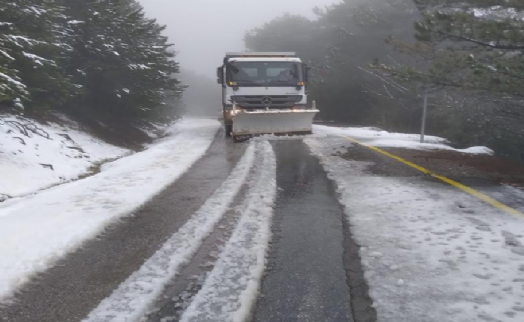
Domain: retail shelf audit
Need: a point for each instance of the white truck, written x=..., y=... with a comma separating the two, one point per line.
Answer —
x=265, y=93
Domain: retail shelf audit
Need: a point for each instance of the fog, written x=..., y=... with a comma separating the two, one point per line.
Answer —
x=203, y=30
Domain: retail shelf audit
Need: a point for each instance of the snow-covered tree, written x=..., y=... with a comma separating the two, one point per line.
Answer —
x=31, y=50
x=101, y=61
x=473, y=49
x=471, y=44
x=120, y=58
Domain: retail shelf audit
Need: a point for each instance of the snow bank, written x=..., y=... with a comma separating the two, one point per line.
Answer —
x=379, y=138
x=38, y=230
x=231, y=289
x=478, y=150
x=135, y=296
x=430, y=253
x=29, y=164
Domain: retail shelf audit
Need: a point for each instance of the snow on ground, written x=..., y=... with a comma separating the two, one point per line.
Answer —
x=29, y=164
x=379, y=138
x=430, y=252
x=37, y=230
x=136, y=295
x=231, y=289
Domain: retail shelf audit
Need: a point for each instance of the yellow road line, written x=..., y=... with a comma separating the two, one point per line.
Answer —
x=468, y=190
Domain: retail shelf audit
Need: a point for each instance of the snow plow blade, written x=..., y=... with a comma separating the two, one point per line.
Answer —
x=252, y=123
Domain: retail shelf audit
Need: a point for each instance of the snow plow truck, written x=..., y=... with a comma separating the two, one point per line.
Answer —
x=265, y=93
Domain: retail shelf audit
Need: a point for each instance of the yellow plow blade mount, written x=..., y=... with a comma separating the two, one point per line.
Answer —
x=247, y=123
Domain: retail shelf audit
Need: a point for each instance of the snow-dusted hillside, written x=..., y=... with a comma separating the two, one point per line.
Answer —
x=36, y=156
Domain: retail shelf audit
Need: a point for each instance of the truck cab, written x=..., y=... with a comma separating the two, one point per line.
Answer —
x=261, y=82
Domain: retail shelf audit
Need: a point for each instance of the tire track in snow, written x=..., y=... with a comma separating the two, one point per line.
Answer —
x=230, y=291
x=135, y=296
x=180, y=292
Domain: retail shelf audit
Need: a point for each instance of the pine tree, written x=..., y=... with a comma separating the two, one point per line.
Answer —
x=12, y=90
x=473, y=50
x=31, y=48
x=120, y=58
x=149, y=65
x=471, y=44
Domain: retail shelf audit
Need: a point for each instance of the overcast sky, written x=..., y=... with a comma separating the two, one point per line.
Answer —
x=203, y=30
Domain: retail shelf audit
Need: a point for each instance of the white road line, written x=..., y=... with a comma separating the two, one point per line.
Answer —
x=231, y=289
x=136, y=295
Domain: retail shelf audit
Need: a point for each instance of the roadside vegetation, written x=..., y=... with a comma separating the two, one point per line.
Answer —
x=101, y=62
x=372, y=61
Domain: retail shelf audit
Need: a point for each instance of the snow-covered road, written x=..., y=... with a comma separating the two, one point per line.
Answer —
x=37, y=230
x=430, y=252
x=134, y=297
x=276, y=229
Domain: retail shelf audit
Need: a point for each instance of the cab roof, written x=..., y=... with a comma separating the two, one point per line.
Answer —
x=266, y=59
x=261, y=54
x=253, y=56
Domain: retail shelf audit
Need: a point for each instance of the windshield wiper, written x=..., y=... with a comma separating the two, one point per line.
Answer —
x=280, y=82
x=247, y=81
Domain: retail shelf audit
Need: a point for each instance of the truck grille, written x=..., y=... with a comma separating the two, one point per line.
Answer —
x=253, y=102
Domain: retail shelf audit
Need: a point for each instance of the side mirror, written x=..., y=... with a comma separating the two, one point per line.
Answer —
x=305, y=72
x=220, y=75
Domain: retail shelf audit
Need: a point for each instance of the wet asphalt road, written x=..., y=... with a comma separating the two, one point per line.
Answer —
x=78, y=283
x=314, y=271
x=305, y=280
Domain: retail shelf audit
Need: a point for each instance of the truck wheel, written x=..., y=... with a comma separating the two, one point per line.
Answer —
x=228, y=129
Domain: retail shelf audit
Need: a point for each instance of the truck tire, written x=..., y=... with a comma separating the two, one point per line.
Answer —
x=228, y=129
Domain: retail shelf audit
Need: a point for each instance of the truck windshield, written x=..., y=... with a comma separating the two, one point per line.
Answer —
x=264, y=73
